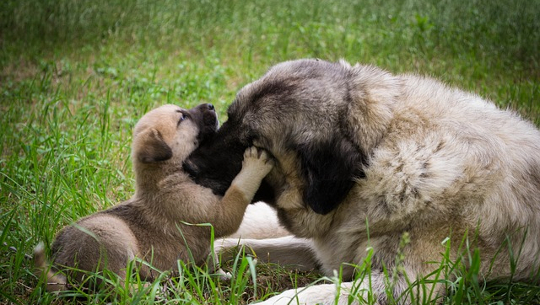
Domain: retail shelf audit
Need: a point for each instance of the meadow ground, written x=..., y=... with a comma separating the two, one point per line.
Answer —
x=76, y=75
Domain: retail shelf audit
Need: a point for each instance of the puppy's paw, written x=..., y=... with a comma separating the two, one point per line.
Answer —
x=258, y=159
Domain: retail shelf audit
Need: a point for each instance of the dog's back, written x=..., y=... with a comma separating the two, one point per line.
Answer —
x=451, y=165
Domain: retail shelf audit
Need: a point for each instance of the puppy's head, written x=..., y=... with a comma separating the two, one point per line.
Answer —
x=171, y=133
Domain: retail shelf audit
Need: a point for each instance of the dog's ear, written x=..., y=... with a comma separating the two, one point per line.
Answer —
x=151, y=148
x=329, y=170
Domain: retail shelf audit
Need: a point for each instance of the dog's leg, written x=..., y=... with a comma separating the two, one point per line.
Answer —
x=287, y=251
x=377, y=288
x=316, y=294
x=260, y=221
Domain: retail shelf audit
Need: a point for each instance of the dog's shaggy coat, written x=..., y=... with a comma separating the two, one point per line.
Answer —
x=154, y=225
x=364, y=156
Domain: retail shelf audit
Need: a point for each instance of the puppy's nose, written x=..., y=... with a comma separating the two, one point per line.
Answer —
x=210, y=106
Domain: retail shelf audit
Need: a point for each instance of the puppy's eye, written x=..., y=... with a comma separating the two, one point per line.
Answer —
x=182, y=116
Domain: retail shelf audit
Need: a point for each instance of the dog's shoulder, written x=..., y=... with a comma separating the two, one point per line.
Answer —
x=447, y=148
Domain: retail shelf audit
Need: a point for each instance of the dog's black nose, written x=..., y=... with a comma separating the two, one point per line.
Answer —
x=210, y=106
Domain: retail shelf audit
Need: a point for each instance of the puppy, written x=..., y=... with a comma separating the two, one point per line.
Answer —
x=154, y=225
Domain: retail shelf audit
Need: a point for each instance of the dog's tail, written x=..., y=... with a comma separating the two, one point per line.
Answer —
x=53, y=282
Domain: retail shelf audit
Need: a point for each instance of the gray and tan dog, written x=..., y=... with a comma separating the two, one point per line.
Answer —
x=152, y=225
x=364, y=156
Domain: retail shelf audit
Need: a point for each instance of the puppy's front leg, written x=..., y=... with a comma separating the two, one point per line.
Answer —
x=256, y=165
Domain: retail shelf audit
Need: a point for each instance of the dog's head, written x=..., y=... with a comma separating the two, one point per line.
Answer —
x=170, y=133
x=318, y=119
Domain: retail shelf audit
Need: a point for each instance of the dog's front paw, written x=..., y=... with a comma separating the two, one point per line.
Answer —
x=258, y=159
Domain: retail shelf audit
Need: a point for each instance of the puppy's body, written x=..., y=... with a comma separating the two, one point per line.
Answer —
x=364, y=156
x=154, y=224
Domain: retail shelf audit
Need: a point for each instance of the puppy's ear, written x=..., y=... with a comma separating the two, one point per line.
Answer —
x=329, y=170
x=150, y=147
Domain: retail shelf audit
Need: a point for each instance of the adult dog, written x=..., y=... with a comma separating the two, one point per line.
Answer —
x=152, y=225
x=364, y=156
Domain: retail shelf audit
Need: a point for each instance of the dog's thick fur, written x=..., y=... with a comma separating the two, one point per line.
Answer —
x=154, y=224
x=364, y=156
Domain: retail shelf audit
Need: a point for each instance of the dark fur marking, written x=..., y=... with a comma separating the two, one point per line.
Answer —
x=204, y=116
x=329, y=170
x=215, y=165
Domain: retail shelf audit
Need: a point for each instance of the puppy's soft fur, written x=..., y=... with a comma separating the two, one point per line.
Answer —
x=154, y=224
x=364, y=156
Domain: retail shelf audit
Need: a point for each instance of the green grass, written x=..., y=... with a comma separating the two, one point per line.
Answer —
x=76, y=75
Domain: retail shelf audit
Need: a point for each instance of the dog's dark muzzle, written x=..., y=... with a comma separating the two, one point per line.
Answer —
x=205, y=117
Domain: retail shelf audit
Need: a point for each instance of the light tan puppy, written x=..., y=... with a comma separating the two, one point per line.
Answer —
x=152, y=224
